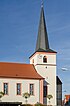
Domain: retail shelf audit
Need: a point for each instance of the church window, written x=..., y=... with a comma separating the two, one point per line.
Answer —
x=45, y=59
x=18, y=88
x=31, y=89
x=5, y=88
x=33, y=61
x=45, y=91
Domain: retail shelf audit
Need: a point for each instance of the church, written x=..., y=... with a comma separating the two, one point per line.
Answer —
x=37, y=78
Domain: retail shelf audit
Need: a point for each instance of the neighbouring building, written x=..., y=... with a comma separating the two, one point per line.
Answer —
x=59, y=91
x=37, y=78
x=66, y=101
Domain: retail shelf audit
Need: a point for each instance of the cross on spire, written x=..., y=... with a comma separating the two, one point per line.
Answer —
x=42, y=39
x=42, y=3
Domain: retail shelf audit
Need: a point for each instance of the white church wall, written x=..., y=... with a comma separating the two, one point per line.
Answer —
x=13, y=97
x=38, y=58
x=49, y=74
x=48, y=71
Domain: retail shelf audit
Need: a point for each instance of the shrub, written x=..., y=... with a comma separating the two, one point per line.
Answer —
x=39, y=104
x=26, y=105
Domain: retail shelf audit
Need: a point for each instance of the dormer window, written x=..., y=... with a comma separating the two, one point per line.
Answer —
x=45, y=59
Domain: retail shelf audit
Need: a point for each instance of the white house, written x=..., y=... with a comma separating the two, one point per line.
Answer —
x=37, y=78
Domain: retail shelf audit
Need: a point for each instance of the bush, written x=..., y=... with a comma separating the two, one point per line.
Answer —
x=39, y=104
x=26, y=105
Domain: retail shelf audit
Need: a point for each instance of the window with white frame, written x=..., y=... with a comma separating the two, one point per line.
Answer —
x=5, y=85
x=18, y=85
x=31, y=89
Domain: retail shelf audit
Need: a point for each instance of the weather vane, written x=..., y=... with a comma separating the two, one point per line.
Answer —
x=42, y=2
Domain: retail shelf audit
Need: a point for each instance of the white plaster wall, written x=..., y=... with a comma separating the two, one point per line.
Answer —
x=49, y=74
x=48, y=71
x=12, y=97
x=35, y=59
x=38, y=58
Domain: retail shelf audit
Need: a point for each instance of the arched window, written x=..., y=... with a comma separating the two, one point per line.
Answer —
x=45, y=59
x=33, y=61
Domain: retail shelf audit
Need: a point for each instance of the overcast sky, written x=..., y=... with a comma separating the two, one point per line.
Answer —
x=19, y=20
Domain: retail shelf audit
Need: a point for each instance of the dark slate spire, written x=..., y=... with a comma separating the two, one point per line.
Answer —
x=42, y=44
x=42, y=39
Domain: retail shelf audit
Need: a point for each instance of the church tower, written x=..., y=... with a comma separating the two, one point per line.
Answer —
x=44, y=60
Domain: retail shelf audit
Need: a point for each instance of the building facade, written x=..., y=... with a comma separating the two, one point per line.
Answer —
x=66, y=101
x=16, y=79
x=44, y=60
x=59, y=91
x=37, y=78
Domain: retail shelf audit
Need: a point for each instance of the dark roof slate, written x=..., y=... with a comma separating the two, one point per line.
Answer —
x=42, y=39
x=48, y=50
x=58, y=81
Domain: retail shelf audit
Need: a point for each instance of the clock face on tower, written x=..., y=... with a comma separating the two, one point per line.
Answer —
x=39, y=56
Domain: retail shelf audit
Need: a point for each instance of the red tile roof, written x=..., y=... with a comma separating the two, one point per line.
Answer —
x=67, y=97
x=18, y=70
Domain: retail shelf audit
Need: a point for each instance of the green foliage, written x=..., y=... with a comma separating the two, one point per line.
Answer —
x=26, y=95
x=26, y=105
x=38, y=104
x=49, y=96
x=1, y=94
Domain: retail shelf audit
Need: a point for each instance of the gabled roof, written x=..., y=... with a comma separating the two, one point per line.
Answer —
x=67, y=97
x=17, y=70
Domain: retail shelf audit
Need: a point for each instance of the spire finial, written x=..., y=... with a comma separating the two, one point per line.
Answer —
x=42, y=3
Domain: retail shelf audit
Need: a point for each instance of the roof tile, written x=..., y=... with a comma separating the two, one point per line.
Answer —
x=18, y=70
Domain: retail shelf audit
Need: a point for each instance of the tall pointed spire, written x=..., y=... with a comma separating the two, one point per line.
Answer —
x=42, y=39
x=42, y=44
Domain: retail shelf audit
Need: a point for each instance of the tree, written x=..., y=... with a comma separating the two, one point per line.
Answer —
x=49, y=97
x=26, y=95
x=1, y=95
